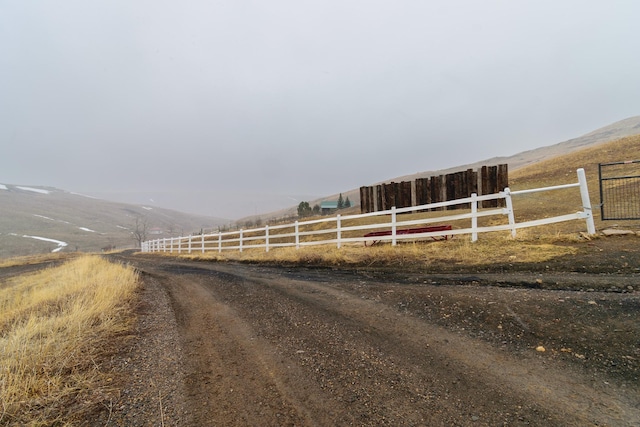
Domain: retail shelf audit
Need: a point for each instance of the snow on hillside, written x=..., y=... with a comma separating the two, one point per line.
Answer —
x=35, y=190
x=3, y=187
x=83, y=195
x=51, y=219
x=60, y=244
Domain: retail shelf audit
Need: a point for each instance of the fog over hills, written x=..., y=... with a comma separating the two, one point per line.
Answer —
x=38, y=219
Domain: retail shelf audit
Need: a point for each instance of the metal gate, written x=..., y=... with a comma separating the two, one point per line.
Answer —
x=619, y=190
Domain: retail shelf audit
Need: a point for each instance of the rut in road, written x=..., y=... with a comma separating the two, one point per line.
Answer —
x=263, y=349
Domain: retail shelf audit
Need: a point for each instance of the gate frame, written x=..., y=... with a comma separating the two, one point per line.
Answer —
x=600, y=179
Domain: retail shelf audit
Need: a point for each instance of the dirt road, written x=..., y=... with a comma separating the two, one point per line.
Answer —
x=230, y=344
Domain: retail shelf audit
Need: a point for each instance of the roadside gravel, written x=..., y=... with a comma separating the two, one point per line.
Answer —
x=150, y=371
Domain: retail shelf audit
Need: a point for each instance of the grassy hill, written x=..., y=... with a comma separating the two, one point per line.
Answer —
x=29, y=214
x=614, y=131
x=562, y=169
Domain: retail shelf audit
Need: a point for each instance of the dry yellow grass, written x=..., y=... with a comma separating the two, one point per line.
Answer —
x=500, y=248
x=36, y=259
x=562, y=170
x=52, y=325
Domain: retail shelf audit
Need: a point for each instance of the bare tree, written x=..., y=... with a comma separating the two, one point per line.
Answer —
x=140, y=230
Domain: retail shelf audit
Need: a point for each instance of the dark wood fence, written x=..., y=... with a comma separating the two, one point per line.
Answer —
x=441, y=188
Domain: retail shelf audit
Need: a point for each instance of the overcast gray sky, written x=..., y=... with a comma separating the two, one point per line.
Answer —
x=229, y=108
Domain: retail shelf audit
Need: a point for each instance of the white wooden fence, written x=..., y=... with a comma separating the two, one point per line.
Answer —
x=337, y=230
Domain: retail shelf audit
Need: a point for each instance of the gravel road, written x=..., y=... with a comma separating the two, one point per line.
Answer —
x=229, y=344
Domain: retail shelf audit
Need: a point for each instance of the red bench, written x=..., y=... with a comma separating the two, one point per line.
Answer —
x=418, y=230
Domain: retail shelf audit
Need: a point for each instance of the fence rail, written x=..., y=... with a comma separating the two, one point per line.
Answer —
x=341, y=230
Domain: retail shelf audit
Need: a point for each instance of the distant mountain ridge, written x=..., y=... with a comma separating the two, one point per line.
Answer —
x=37, y=219
x=617, y=130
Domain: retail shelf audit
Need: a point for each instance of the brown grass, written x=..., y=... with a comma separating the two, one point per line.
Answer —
x=53, y=325
x=36, y=259
x=562, y=170
x=501, y=248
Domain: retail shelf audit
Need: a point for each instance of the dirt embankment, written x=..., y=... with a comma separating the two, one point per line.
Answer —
x=231, y=344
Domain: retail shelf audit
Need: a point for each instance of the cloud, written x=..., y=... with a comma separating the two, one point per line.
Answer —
x=278, y=99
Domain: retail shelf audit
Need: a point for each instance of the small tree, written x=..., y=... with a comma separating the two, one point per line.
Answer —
x=304, y=209
x=140, y=230
x=340, y=202
x=347, y=203
x=316, y=209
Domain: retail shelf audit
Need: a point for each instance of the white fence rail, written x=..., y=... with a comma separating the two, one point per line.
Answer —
x=338, y=230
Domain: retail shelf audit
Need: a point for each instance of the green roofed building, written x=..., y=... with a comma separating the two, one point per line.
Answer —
x=327, y=207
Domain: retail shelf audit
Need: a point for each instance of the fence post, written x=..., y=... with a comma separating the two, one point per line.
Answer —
x=393, y=226
x=241, y=239
x=164, y=244
x=219, y=241
x=297, y=232
x=586, y=202
x=338, y=232
x=509, y=203
x=474, y=217
x=266, y=238
x=190, y=243
x=202, y=241
x=180, y=245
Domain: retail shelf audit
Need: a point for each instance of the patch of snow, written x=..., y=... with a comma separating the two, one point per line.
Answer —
x=3, y=187
x=147, y=208
x=35, y=190
x=58, y=242
x=84, y=195
x=45, y=217
x=124, y=228
x=86, y=229
x=52, y=219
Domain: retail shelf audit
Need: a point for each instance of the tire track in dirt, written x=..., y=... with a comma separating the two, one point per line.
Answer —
x=262, y=349
x=232, y=377
x=477, y=362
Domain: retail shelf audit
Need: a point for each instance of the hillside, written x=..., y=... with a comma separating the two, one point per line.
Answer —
x=35, y=219
x=614, y=131
x=562, y=169
x=617, y=130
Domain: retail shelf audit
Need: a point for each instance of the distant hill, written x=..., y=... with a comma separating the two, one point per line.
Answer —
x=35, y=219
x=617, y=130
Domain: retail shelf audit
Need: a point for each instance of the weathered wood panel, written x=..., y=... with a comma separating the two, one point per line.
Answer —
x=422, y=191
